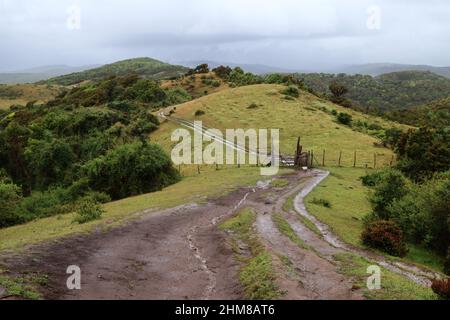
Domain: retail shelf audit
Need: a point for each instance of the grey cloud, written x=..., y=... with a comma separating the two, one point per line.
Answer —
x=288, y=33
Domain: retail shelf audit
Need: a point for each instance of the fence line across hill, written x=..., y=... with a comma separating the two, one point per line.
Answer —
x=355, y=159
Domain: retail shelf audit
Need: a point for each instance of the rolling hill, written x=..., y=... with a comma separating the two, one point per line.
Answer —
x=144, y=67
x=397, y=90
x=306, y=116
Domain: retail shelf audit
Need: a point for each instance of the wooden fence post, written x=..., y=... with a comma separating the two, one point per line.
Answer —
x=323, y=158
x=340, y=156
x=354, y=160
x=374, y=160
x=312, y=158
x=198, y=169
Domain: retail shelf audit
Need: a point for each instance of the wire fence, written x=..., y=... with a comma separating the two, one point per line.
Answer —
x=355, y=159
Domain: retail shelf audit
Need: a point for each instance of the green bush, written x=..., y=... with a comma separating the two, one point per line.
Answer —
x=291, y=91
x=88, y=210
x=344, y=118
x=372, y=179
x=386, y=236
x=424, y=211
x=199, y=113
x=10, y=197
x=391, y=185
x=131, y=169
x=321, y=202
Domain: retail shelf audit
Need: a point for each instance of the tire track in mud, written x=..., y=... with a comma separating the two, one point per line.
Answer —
x=411, y=272
x=210, y=288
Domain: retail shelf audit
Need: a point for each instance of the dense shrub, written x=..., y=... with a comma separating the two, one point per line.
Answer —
x=424, y=211
x=131, y=169
x=442, y=288
x=321, y=202
x=10, y=197
x=423, y=152
x=199, y=113
x=391, y=185
x=386, y=236
x=344, y=118
x=372, y=179
x=88, y=210
x=291, y=91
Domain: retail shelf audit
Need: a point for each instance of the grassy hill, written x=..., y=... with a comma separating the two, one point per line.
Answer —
x=144, y=67
x=390, y=91
x=21, y=94
x=306, y=116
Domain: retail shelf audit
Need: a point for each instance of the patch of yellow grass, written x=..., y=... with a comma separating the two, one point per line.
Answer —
x=27, y=93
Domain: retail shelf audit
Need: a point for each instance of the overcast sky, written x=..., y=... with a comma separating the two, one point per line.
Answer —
x=295, y=34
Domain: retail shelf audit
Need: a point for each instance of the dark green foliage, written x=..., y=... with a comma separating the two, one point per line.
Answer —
x=222, y=71
x=393, y=91
x=344, y=118
x=372, y=179
x=238, y=78
x=424, y=151
x=322, y=202
x=420, y=210
x=391, y=137
x=131, y=169
x=199, y=113
x=386, y=236
x=88, y=210
x=10, y=197
x=442, y=288
x=434, y=114
x=291, y=91
x=390, y=185
x=423, y=213
x=337, y=90
x=47, y=150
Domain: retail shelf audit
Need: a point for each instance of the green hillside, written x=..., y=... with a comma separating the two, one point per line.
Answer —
x=435, y=113
x=265, y=106
x=144, y=67
x=390, y=91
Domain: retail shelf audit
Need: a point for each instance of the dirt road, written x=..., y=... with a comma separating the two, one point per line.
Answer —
x=181, y=254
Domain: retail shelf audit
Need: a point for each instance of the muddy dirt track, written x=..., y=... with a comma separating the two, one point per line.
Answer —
x=180, y=253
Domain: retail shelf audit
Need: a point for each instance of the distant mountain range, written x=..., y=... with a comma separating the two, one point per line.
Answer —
x=152, y=68
x=376, y=69
x=39, y=73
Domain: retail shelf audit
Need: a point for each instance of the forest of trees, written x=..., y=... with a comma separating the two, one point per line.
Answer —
x=90, y=142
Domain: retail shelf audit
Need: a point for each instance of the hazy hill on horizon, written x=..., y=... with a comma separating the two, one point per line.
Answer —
x=145, y=67
x=376, y=69
x=39, y=73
